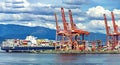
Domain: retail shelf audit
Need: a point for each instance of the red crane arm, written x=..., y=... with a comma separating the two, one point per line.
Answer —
x=63, y=19
x=113, y=20
x=116, y=27
x=71, y=20
x=73, y=25
x=56, y=20
x=106, y=25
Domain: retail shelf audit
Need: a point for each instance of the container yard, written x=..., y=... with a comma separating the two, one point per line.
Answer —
x=69, y=39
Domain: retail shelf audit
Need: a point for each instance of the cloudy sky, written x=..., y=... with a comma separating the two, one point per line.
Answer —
x=87, y=14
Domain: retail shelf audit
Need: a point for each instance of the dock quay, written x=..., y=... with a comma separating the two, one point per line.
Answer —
x=74, y=52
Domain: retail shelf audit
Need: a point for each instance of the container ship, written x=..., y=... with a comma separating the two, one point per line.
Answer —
x=30, y=43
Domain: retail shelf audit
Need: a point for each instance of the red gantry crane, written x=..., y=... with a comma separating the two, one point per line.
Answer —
x=65, y=25
x=114, y=24
x=57, y=27
x=69, y=35
x=108, y=32
x=77, y=32
x=116, y=34
x=113, y=37
x=74, y=28
x=106, y=25
x=61, y=34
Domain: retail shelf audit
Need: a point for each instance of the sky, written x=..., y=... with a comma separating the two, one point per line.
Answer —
x=87, y=14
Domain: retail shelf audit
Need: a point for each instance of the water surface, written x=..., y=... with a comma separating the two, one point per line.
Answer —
x=58, y=59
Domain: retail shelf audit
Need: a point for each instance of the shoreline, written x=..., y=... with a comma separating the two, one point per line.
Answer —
x=75, y=52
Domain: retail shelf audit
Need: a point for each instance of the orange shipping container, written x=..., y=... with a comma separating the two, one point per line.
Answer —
x=25, y=42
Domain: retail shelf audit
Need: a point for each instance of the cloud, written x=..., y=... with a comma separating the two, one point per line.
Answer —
x=81, y=26
x=33, y=14
x=23, y=12
x=26, y=13
x=81, y=19
x=117, y=13
x=93, y=26
x=98, y=11
x=43, y=24
x=96, y=26
x=17, y=3
x=23, y=6
x=95, y=16
x=11, y=7
x=99, y=26
x=75, y=2
x=32, y=24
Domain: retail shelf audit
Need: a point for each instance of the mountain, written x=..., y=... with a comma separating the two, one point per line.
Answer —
x=96, y=36
x=20, y=32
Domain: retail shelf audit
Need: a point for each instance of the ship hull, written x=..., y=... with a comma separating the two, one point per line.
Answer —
x=25, y=49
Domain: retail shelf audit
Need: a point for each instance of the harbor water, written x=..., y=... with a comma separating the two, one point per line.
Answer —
x=58, y=59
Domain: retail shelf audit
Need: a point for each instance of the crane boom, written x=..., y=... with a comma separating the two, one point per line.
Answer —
x=56, y=20
x=71, y=20
x=63, y=19
x=114, y=25
x=106, y=25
